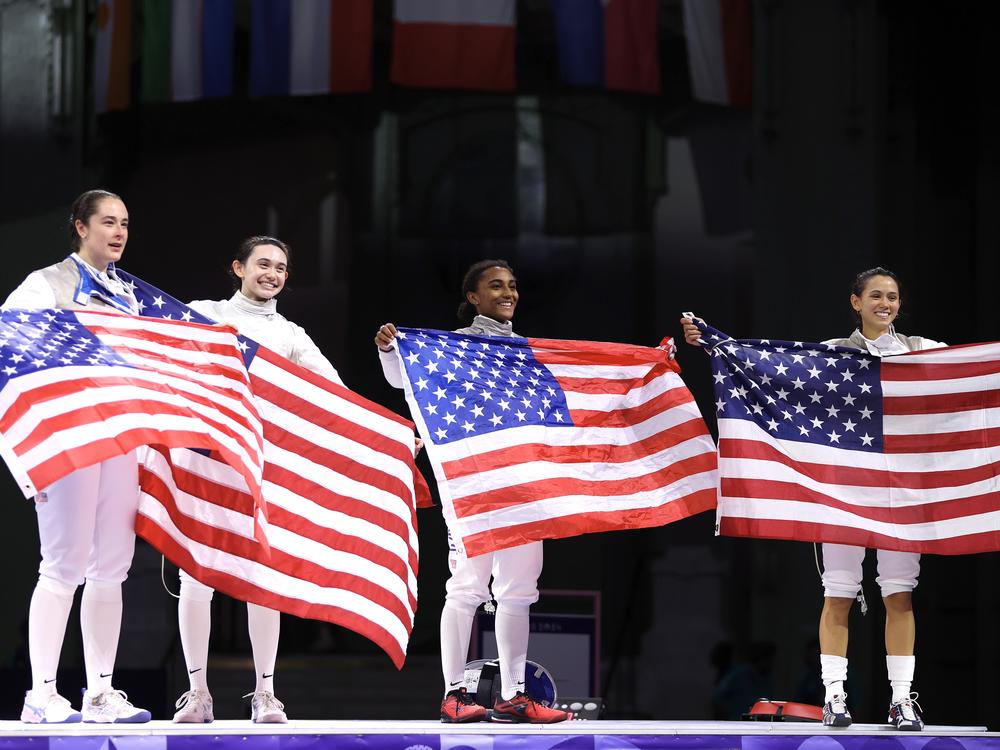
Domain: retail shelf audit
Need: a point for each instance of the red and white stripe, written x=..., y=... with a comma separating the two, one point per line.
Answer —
x=638, y=454
x=339, y=488
x=720, y=51
x=187, y=387
x=934, y=488
x=330, y=46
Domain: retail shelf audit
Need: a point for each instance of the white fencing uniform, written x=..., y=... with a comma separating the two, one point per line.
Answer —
x=514, y=571
x=897, y=571
x=86, y=520
x=261, y=322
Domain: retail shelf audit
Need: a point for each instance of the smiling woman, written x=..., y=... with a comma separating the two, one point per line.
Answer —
x=490, y=296
x=876, y=299
x=259, y=271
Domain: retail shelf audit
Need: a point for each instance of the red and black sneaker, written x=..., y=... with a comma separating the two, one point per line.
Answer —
x=458, y=707
x=522, y=709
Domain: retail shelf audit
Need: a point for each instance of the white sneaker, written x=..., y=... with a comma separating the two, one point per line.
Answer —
x=266, y=709
x=194, y=707
x=111, y=706
x=48, y=709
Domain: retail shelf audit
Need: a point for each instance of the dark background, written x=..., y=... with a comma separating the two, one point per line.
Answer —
x=872, y=140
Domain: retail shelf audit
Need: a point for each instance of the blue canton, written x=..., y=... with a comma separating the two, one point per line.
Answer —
x=812, y=393
x=36, y=340
x=467, y=385
x=154, y=303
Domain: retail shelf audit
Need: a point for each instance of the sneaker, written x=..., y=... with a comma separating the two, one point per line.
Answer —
x=265, y=708
x=48, y=709
x=835, y=713
x=903, y=715
x=194, y=707
x=522, y=709
x=111, y=706
x=458, y=707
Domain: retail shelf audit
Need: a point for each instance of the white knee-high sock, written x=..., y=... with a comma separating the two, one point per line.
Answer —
x=834, y=671
x=194, y=620
x=101, y=623
x=512, y=647
x=900, y=670
x=265, y=627
x=47, y=618
x=456, y=631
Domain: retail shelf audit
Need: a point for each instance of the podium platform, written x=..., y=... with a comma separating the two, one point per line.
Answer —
x=432, y=735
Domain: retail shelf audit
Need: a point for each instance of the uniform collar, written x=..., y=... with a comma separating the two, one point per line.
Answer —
x=887, y=343
x=493, y=327
x=103, y=285
x=252, y=307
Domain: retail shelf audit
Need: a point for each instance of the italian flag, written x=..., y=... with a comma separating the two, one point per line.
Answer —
x=720, y=51
x=187, y=49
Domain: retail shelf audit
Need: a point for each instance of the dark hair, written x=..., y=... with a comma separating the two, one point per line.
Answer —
x=82, y=209
x=246, y=248
x=862, y=279
x=466, y=311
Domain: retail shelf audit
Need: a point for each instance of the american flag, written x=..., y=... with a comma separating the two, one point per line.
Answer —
x=830, y=444
x=77, y=388
x=340, y=487
x=538, y=439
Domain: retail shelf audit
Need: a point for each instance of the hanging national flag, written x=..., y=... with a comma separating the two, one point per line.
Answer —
x=80, y=387
x=610, y=44
x=113, y=56
x=311, y=47
x=454, y=44
x=541, y=439
x=187, y=49
x=340, y=488
x=720, y=50
x=829, y=444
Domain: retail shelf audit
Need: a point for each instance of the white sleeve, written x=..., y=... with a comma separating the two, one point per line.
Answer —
x=390, y=367
x=306, y=353
x=34, y=293
x=929, y=344
x=207, y=307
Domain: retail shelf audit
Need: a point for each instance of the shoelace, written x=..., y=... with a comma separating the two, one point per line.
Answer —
x=119, y=697
x=116, y=699
x=189, y=697
x=906, y=706
x=838, y=703
x=522, y=695
x=465, y=699
x=54, y=698
x=267, y=700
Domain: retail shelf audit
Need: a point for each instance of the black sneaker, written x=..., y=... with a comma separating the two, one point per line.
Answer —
x=904, y=716
x=835, y=713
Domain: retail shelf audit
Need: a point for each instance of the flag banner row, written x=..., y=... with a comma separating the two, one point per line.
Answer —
x=825, y=443
x=539, y=438
x=187, y=50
